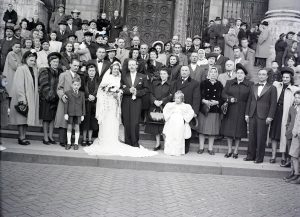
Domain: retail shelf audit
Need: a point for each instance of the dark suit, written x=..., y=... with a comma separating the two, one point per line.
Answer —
x=105, y=67
x=221, y=62
x=259, y=108
x=73, y=30
x=131, y=109
x=191, y=91
x=196, y=75
x=62, y=37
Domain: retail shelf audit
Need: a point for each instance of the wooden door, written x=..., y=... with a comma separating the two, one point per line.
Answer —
x=153, y=17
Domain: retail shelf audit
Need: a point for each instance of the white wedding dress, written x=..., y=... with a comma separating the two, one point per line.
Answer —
x=108, y=115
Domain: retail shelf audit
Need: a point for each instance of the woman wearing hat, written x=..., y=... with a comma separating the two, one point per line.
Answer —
x=209, y=115
x=48, y=80
x=25, y=94
x=76, y=19
x=162, y=57
x=290, y=51
x=57, y=17
x=235, y=94
x=160, y=95
x=280, y=47
x=111, y=55
x=285, y=98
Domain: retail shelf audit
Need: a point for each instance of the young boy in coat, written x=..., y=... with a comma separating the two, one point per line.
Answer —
x=74, y=111
x=293, y=138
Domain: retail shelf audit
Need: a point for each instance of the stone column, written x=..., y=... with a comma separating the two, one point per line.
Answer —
x=180, y=21
x=283, y=16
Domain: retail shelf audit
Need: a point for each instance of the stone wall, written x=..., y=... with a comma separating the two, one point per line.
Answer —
x=180, y=21
x=25, y=9
x=215, y=9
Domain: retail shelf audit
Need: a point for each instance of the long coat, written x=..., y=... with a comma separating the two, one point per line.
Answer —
x=5, y=48
x=230, y=41
x=191, y=91
x=64, y=84
x=287, y=103
x=280, y=46
x=55, y=19
x=26, y=90
x=234, y=124
x=13, y=60
x=116, y=28
x=264, y=44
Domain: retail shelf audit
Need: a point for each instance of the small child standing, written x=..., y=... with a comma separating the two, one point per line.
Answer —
x=90, y=122
x=293, y=139
x=74, y=111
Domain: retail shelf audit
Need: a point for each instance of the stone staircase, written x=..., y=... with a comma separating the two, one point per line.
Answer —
x=147, y=140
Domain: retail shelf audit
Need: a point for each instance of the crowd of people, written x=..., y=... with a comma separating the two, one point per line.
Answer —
x=87, y=74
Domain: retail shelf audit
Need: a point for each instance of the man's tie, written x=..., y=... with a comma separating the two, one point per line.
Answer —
x=121, y=50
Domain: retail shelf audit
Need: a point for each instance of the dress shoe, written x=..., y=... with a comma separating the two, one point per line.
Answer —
x=22, y=142
x=46, y=142
x=76, y=147
x=27, y=142
x=88, y=143
x=247, y=159
x=68, y=146
x=211, y=152
x=200, y=151
x=283, y=162
x=287, y=164
x=296, y=181
x=235, y=156
x=289, y=176
x=83, y=143
x=272, y=160
x=157, y=148
x=51, y=141
x=62, y=144
x=228, y=155
x=258, y=161
x=293, y=178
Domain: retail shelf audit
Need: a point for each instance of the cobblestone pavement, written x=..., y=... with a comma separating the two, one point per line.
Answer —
x=53, y=190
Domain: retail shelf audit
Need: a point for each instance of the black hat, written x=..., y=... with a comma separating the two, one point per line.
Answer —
x=206, y=45
x=86, y=22
x=287, y=70
x=11, y=27
x=92, y=21
x=54, y=55
x=88, y=34
x=68, y=17
x=209, y=55
x=218, y=19
x=197, y=37
x=243, y=24
x=111, y=49
x=72, y=35
x=265, y=23
x=290, y=33
x=240, y=66
x=90, y=63
x=29, y=53
x=63, y=22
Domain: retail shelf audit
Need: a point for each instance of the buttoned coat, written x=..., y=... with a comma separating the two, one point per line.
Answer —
x=75, y=106
x=204, y=71
x=64, y=85
x=25, y=90
x=287, y=103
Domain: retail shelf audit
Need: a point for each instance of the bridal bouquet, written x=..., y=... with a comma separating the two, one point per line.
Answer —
x=114, y=91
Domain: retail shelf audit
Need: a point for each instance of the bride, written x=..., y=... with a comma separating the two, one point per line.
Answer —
x=108, y=112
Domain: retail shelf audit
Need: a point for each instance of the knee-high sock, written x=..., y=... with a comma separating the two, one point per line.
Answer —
x=76, y=137
x=69, y=136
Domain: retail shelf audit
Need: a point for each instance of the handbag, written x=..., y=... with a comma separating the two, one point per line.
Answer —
x=224, y=108
x=187, y=131
x=204, y=109
x=22, y=108
x=156, y=115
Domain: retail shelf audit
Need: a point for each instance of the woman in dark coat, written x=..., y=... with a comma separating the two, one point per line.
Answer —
x=210, y=112
x=116, y=26
x=160, y=95
x=173, y=67
x=236, y=93
x=48, y=80
x=280, y=47
x=67, y=55
x=290, y=52
x=91, y=85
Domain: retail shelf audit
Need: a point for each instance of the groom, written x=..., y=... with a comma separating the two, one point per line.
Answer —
x=134, y=86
